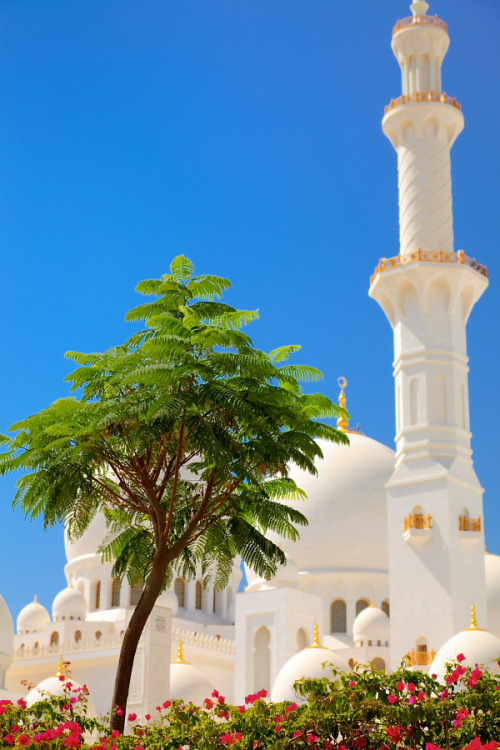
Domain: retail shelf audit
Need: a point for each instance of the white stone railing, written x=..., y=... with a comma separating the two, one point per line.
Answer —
x=67, y=647
x=203, y=640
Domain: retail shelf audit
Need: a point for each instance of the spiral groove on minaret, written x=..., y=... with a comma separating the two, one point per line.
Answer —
x=425, y=207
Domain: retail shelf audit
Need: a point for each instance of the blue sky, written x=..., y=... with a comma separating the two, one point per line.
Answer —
x=245, y=134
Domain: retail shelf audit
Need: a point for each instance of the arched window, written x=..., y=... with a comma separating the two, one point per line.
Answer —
x=301, y=640
x=54, y=638
x=78, y=636
x=98, y=635
x=378, y=664
x=198, y=604
x=385, y=607
x=135, y=594
x=97, y=599
x=261, y=659
x=180, y=591
x=115, y=592
x=361, y=604
x=338, y=616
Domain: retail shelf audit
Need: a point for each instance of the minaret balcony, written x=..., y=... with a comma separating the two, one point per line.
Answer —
x=415, y=20
x=469, y=531
x=422, y=96
x=433, y=256
x=417, y=529
x=469, y=524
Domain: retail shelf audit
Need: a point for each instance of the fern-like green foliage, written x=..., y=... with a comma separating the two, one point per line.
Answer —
x=183, y=436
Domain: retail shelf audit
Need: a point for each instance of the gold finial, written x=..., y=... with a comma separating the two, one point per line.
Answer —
x=180, y=657
x=342, y=423
x=35, y=599
x=371, y=602
x=316, y=643
x=473, y=621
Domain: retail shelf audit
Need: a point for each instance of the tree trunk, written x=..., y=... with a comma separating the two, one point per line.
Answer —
x=131, y=638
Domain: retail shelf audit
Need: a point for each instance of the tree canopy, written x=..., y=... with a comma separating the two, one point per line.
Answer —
x=183, y=437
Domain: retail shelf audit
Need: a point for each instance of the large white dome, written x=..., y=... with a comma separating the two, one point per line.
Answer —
x=307, y=663
x=345, y=507
x=187, y=683
x=478, y=646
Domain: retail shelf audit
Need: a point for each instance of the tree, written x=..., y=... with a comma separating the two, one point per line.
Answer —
x=183, y=437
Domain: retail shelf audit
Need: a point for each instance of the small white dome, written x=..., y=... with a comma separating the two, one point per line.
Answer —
x=187, y=683
x=478, y=647
x=371, y=624
x=53, y=686
x=307, y=663
x=169, y=600
x=492, y=570
x=6, y=634
x=32, y=618
x=69, y=604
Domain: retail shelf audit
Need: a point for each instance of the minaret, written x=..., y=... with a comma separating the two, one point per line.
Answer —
x=435, y=514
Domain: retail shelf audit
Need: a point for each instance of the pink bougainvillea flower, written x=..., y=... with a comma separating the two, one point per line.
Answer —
x=22, y=703
x=23, y=739
x=460, y=657
x=475, y=676
x=412, y=699
x=400, y=685
x=391, y=698
x=9, y=739
x=119, y=711
x=411, y=687
x=147, y=717
x=215, y=694
x=430, y=746
x=352, y=683
x=132, y=717
x=262, y=693
x=241, y=709
x=297, y=733
x=311, y=738
x=277, y=728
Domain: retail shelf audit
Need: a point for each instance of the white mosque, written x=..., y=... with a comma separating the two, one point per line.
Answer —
x=393, y=558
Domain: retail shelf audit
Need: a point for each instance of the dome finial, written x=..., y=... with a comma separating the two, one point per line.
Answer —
x=316, y=643
x=419, y=7
x=180, y=656
x=34, y=599
x=473, y=622
x=371, y=602
x=342, y=423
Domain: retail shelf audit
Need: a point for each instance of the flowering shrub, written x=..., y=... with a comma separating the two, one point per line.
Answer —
x=362, y=710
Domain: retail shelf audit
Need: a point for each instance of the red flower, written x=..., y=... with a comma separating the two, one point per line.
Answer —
x=411, y=687
x=460, y=657
x=400, y=685
x=277, y=727
x=23, y=739
x=132, y=717
x=147, y=717
x=311, y=738
x=167, y=704
x=9, y=739
x=221, y=699
x=22, y=703
x=352, y=683
x=262, y=693
x=119, y=712
x=391, y=698
x=241, y=709
x=297, y=733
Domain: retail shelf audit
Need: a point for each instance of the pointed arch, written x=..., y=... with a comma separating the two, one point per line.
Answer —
x=198, y=604
x=180, y=591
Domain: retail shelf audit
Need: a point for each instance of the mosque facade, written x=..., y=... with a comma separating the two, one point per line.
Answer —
x=393, y=558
